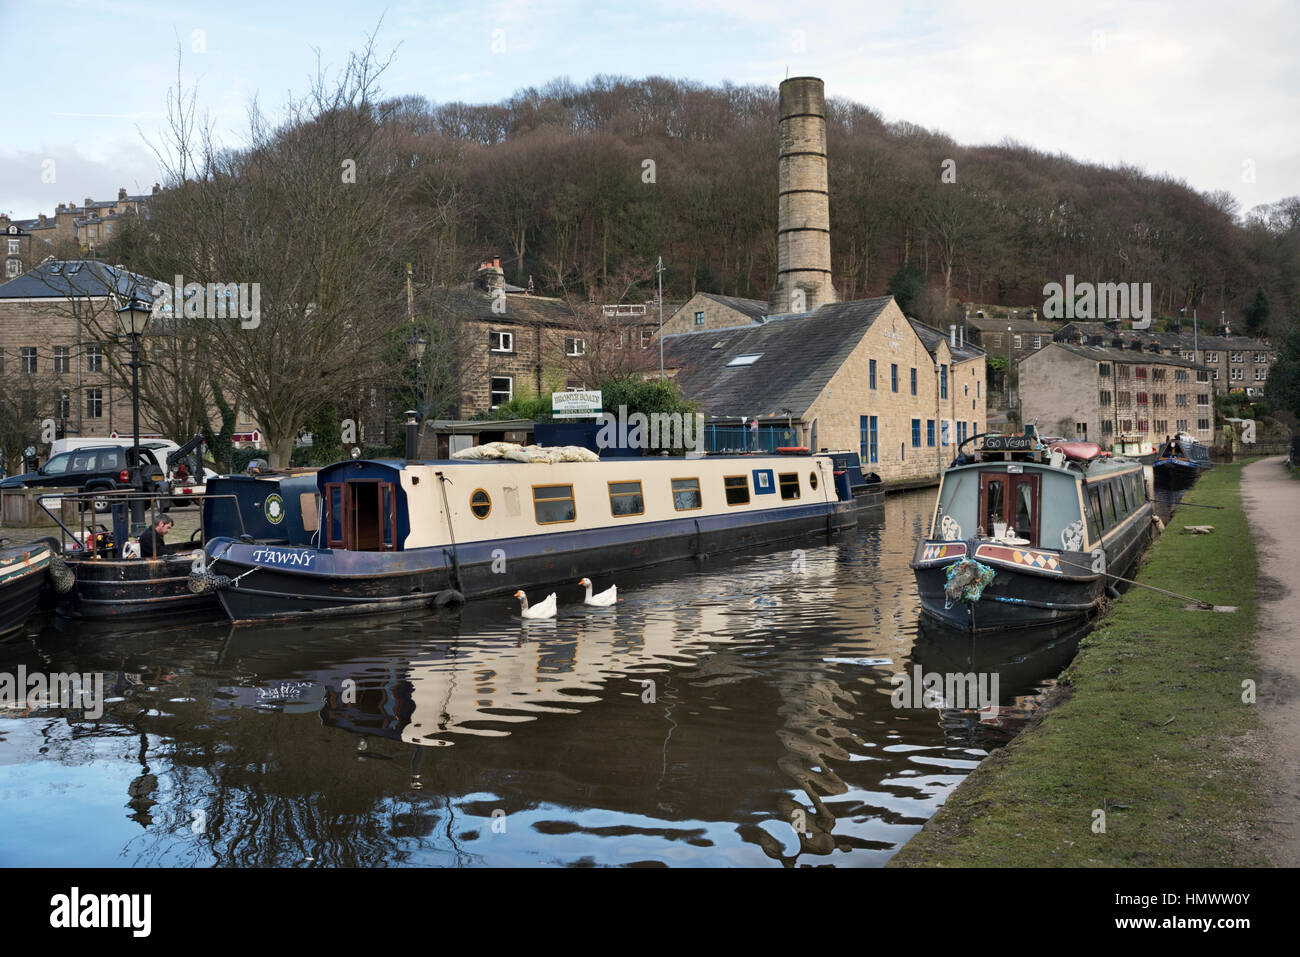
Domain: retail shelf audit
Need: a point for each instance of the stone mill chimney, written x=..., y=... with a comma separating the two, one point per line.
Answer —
x=803, y=236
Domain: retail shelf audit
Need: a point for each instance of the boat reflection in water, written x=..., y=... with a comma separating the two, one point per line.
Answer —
x=768, y=736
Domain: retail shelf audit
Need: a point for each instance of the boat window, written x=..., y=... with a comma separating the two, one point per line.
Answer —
x=1108, y=503
x=336, y=514
x=812, y=480
x=553, y=504
x=1024, y=510
x=625, y=499
x=994, y=499
x=480, y=503
x=308, y=505
x=737, y=489
x=1092, y=511
x=686, y=495
x=1121, y=496
x=789, y=484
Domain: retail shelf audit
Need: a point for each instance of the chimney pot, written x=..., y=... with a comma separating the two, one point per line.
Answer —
x=121, y=192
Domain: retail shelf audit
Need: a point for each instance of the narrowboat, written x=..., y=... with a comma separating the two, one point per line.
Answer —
x=1026, y=534
x=1134, y=447
x=112, y=581
x=24, y=572
x=399, y=535
x=1178, y=463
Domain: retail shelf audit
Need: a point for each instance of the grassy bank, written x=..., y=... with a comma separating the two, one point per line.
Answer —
x=1147, y=726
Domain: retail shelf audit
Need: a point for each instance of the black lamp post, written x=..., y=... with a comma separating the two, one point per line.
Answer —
x=134, y=318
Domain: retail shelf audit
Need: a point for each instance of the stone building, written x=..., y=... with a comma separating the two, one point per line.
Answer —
x=706, y=310
x=89, y=225
x=853, y=376
x=519, y=341
x=1098, y=393
x=1234, y=362
x=46, y=361
x=1024, y=337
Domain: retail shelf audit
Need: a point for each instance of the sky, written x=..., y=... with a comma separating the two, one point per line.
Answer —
x=1204, y=92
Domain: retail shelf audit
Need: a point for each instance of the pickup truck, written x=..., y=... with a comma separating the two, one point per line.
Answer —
x=98, y=469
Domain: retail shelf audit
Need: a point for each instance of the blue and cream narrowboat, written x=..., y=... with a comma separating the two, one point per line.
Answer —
x=1026, y=534
x=394, y=535
x=1178, y=463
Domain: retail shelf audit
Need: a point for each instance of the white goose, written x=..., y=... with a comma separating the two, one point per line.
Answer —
x=543, y=609
x=606, y=598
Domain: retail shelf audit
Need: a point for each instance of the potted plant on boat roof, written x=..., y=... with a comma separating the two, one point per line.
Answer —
x=999, y=526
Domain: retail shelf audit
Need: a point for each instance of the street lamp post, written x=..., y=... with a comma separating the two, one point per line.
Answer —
x=134, y=318
x=1008, y=369
x=659, y=269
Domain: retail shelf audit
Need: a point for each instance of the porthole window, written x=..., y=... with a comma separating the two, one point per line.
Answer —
x=480, y=503
x=812, y=479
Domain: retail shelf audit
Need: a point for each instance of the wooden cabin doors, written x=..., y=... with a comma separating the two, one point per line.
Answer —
x=361, y=516
x=1012, y=498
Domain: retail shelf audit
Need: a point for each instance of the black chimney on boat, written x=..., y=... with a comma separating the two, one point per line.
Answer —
x=412, y=435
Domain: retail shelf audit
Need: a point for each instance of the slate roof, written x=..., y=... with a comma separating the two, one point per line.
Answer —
x=798, y=356
x=931, y=337
x=995, y=324
x=1123, y=356
x=755, y=309
x=80, y=278
x=1167, y=340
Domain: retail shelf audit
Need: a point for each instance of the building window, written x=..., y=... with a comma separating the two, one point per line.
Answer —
x=699, y=318
x=1261, y=358
x=1180, y=399
x=501, y=341
x=929, y=432
x=1107, y=427
x=1160, y=400
x=63, y=406
x=1202, y=425
x=1142, y=398
x=893, y=376
x=1260, y=375
x=13, y=247
x=746, y=360
x=1162, y=425
x=574, y=346
x=1180, y=375
x=1234, y=357
x=94, y=403
x=1018, y=343
x=1211, y=357
x=1103, y=370
x=871, y=373
x=1238, y=374
x=916, y=433
x=913, y=382
x=553, y=504
x=1142, y=425
x=625, y=498
x=1124, y=400
x=1104, y=397
x=943, y=382
x=997, y=341
x=1157, y=375
x=1202, y=399
x=1081, y=430
x=62, y=361
x=94, y=359
x=646, y=336
x=1038, y=342
x=1181, y=425
x=502, y=389
x=1215, y=375
x=27, y=360
x=869, y=437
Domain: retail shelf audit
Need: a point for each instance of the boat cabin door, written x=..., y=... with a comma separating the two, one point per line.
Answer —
x=1012, y=498
x=361, y=515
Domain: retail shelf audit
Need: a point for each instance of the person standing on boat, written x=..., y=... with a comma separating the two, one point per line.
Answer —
x=753, y=433
x=151, y=539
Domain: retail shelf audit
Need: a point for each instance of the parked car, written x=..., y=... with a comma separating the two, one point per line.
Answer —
x=100, y=469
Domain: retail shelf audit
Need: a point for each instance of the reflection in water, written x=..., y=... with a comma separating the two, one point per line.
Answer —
x=735, y=711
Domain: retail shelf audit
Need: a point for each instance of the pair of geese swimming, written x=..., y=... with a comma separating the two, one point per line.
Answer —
x=546, y=607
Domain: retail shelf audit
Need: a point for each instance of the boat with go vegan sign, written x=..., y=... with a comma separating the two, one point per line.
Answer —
x=1029, y=531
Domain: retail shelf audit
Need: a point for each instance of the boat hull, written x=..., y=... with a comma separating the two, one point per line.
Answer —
x=23, y=577
x=281, y=583
x=1174, y=475
x=135, y=588
x=1022, y=594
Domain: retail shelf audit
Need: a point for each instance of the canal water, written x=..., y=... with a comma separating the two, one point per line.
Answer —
x=739, y=710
